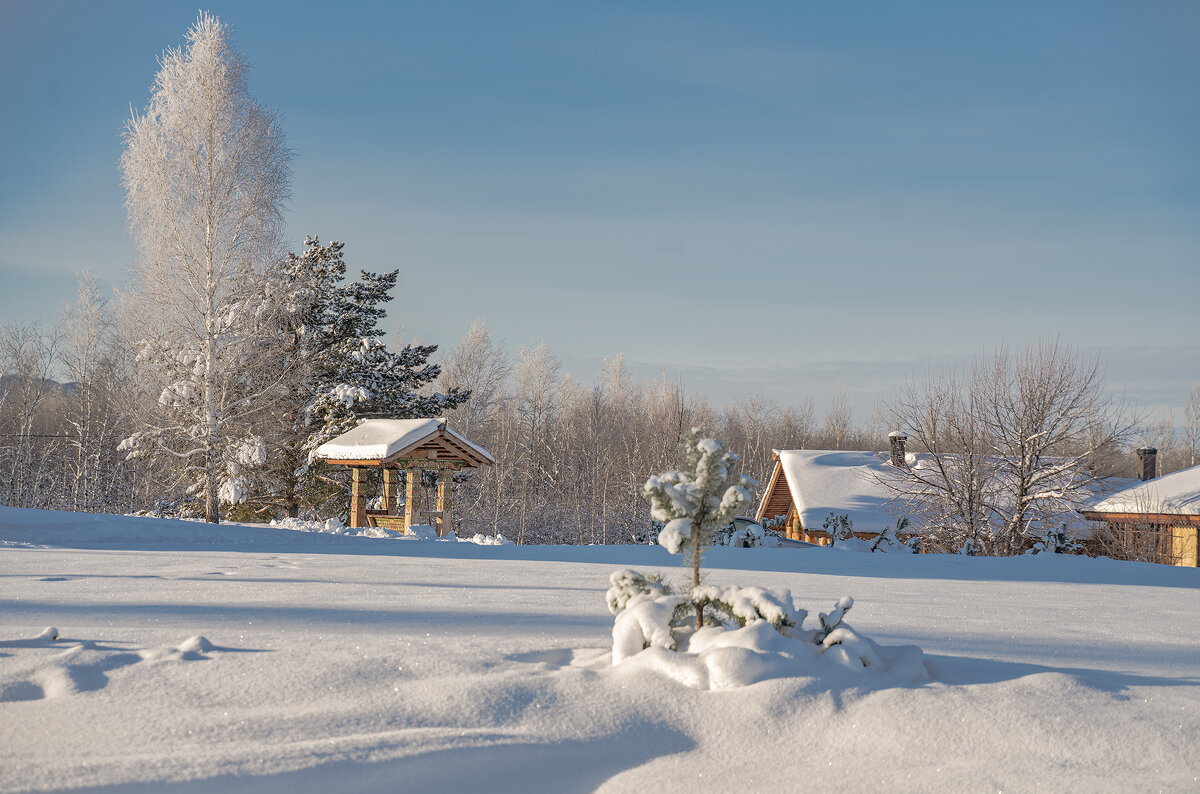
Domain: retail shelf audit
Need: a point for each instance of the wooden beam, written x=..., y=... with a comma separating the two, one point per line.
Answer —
x=414, y=447
x=430, y=465
x=445, y=524
x=412, y=495
x=466, y=451
x=390, y=491
x=358, y=498
x=1171, y=519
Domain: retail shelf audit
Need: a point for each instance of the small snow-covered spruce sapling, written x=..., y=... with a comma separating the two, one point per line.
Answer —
x=840, y=527
x=1055, y=540
x=696, y=500
x=628, y=584
x=693, y=503
x=776, y=524
x=890, y=536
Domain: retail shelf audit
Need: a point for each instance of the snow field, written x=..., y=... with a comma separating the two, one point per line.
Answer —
x=369, y=665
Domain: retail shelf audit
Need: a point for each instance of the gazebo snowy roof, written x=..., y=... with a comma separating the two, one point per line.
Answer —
x=385, y=440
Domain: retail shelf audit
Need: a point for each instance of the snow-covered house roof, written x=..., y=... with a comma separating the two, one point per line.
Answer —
x=1177, y=493
x=820, y=482
x=816, y=483
x=387, y=439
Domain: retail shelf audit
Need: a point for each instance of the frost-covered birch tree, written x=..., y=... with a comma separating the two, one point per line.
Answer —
x=949, y=493
x=1191, y=425
x=28, y=445
x=477, y=365
x=838, y=420
x=1006, y=450
x=95, y=408
x=1046, y=415
x=206, y=171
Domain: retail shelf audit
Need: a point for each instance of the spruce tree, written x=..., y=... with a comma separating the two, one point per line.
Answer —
x=697, y=500
x=330, y=331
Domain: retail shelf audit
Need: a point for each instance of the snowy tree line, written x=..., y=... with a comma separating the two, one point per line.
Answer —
x=571, y=457
x=58, y=441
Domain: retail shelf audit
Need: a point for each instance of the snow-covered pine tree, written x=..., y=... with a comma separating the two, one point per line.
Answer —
x=839, y=526
x=1055, y=540
x=696, y=500
x=206, y=171
x=889, y=537
x=344, y=371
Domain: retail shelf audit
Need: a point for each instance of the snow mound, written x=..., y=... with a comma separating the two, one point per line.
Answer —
x=421, y=532
x=43, y=637
x=717, y=658
x=190, y=650
x=195, y=644
x=480, y=539
x=332, y=526
x=750, y=634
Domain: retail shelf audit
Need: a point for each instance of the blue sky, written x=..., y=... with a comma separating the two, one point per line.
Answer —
x=785, y=197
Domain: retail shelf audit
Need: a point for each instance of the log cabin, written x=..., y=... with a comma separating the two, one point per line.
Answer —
x=1163, y=511
x=806, y=485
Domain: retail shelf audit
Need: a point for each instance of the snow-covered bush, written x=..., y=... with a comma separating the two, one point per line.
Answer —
x=740, y=606
x=649, y=534
x=186, y=507
x=840, y=527
x=332, y=526
x=739, y=533
x=774, y=524
x=744, y=534
x=1055, y=540
x=647, y=623
x=888, y=538
x=749, y=633
x=629, y=585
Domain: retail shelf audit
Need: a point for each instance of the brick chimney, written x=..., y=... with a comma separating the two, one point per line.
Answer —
x=897, y=438
x=1147, y=457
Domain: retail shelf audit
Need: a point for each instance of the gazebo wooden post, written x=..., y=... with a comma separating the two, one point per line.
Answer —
x=412, y=495
x=444, y=523
x=358, y=498
x=390, y=492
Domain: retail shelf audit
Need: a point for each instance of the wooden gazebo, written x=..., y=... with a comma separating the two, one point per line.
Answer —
x=411, y=446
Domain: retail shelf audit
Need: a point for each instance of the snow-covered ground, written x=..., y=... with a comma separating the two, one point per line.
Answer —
x=231, y=658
